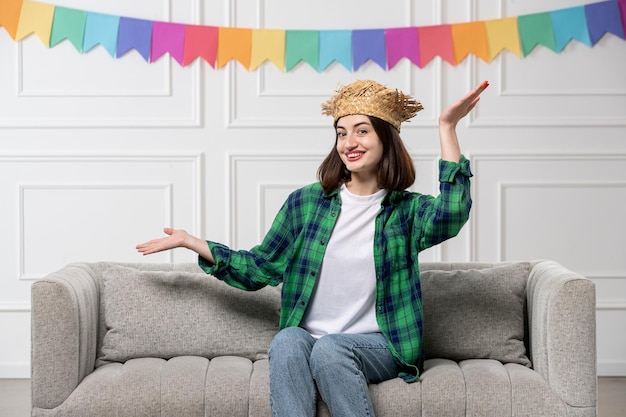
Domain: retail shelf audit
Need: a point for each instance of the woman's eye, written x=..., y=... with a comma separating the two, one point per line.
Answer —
x=341, y=134
x=362, y=132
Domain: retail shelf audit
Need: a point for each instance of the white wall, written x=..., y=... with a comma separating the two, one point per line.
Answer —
x=98, y=154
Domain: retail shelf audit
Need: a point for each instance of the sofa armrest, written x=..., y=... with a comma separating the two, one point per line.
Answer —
x=562, y=324
x=64, y=329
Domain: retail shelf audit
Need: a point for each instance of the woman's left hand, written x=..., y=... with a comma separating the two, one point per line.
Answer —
x=462, y=107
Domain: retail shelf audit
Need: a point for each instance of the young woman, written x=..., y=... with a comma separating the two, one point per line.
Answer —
x=346, y=251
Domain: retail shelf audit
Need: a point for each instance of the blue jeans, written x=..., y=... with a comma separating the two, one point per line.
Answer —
x=338, y=366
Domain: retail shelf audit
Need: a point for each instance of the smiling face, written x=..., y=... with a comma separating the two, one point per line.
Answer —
x=359, y=146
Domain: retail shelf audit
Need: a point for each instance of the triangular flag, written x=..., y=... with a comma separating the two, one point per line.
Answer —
x=68, y=24
x=435, y=41
x=101, y=29
x=569, y=24
x=200, y=41
x=36, y=18
x=502, y=34
x=134, y=34
x=469, y=38
x=302, y=45
x=167, y=38
x=402, y=43
x=234, y=43
x=368, y=44
x=268, y=44
x=604, y=18
x=536, y=29
x=10, y=16
x=335, y=45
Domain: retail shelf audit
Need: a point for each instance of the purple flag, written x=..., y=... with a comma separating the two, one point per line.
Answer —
x=604, y=17
x=134, y=34
x=368, y=44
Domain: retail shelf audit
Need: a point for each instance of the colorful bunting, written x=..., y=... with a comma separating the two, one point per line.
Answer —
x=200, y=41
x=604, y=18
x=217, y=46
x=368, y=44
x=469, y=38
x=35, y=18
x=402, y=43
x=10, y=16
x=134, y=34
x=167, y=38
x=536, y=29
x=101, y=29
x=302, y=45
x=569, y=24
x=436, y=41
x=502, y=34
x=268, y=44
x=68, y=24
x=335, y=45
x=234, y=43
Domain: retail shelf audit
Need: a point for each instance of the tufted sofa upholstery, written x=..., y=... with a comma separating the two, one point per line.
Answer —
x=112, y=339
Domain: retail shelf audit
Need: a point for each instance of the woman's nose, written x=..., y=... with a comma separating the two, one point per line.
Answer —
x=350, y=141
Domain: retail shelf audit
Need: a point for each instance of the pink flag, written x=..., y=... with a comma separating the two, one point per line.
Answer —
x=402, y=43
x=167, y=37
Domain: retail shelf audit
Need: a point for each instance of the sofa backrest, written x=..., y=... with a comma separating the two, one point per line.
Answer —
x=475, y=311
x=471, y=310
x=158, y=310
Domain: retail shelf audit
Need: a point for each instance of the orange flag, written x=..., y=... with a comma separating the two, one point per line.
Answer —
x=36, y=18
x=234, y=43
x=10, y=16
x=469, y=38
x=502, y=34
x=268, y=44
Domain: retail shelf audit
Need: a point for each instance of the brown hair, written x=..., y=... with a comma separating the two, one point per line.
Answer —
x=396, y=171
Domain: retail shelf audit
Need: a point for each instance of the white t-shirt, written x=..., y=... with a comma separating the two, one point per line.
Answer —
x=344, y=297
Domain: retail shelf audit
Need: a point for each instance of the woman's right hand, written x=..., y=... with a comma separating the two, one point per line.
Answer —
x=174, y=239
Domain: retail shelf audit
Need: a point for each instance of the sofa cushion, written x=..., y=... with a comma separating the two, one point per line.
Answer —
x=163, y=314
x=476, y=313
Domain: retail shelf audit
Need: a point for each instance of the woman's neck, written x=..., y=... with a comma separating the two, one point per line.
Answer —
x=360, y=187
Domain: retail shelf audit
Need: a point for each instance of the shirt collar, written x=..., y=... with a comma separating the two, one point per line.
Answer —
x=392, y=198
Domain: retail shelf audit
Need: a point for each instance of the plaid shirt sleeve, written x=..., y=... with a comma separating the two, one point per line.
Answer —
x=262, y=265
x=444, y=216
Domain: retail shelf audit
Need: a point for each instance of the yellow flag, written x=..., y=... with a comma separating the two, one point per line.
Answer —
x=502, y=34
x=268, y=44
x=36, y=18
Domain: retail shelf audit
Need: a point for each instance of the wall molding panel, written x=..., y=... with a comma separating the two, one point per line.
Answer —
x=110, y=194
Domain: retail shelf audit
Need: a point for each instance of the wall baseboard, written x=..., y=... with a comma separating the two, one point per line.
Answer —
x=14, y=370
x=606, y=368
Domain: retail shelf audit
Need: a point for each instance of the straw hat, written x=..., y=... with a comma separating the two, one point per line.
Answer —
x=371, y=99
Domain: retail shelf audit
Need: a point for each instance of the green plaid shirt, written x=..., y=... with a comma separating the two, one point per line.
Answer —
x=292, y=253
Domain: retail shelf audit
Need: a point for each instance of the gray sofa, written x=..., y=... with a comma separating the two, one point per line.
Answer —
x=109, y=339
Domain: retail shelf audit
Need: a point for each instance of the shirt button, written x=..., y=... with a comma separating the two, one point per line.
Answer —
x=333, y=214
x=322, y=242
x=312, y=273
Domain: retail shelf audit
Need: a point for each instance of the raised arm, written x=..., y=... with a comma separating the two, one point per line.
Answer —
x=177, y=239
x=449, y=118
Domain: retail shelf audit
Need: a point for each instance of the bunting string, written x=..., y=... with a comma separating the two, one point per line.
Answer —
x=285, y=48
